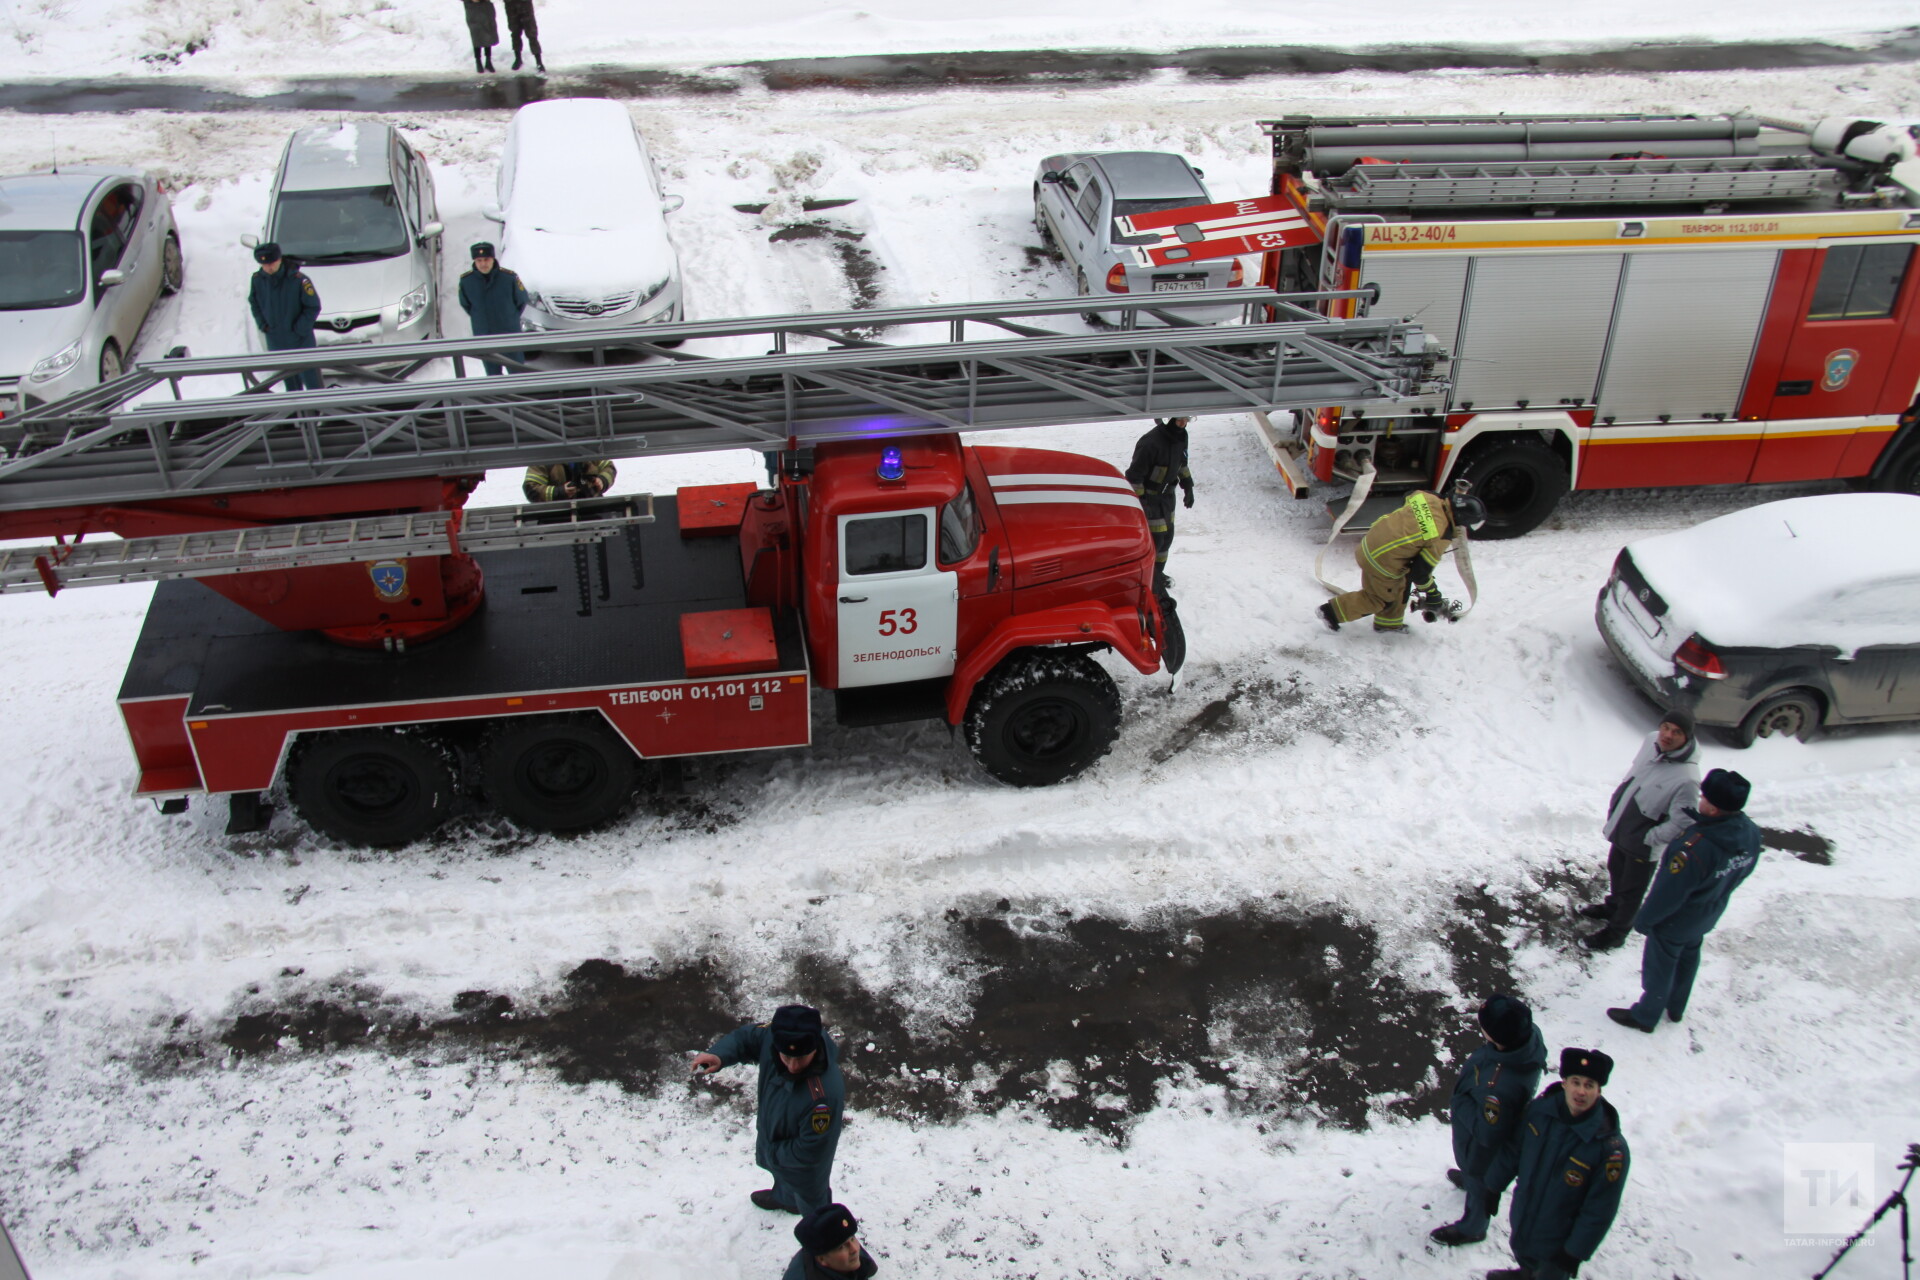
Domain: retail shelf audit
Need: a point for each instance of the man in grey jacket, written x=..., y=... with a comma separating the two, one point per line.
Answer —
x=1644, y=816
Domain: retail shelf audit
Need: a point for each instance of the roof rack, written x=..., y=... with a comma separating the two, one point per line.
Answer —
x=1688, y=180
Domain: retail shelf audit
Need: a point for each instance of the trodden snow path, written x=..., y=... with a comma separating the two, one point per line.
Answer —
x=1186, y=1016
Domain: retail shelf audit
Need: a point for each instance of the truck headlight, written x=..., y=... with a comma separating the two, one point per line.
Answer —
x=412, y=305
x=56, y=364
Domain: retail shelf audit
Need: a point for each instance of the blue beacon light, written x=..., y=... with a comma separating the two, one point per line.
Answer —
x=892, y=466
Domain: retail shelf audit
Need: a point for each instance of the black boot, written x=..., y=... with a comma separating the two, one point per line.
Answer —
x=516, y=59
x=489, y=57
x=533, y=43
x=1605, y=940
x=478, y=65
x=1596, y=911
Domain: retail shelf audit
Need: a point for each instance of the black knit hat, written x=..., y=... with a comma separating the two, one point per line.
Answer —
x=1681, y=720
x=265, y=253
x=1507, y=1021
x=825, y=1230
x=796, y=1030
x=1591, y=1063
x=1725, y=789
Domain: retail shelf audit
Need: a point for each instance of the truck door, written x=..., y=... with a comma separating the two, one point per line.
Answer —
x=898, y=612
x=1842, y=345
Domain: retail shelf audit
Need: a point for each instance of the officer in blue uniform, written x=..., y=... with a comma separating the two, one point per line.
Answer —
x=1496, y=1082
x=1697, y=877
x=493, y=299
x=1571, y=1162
x=285, y=306
x=802, y=1098
x=829, y=1248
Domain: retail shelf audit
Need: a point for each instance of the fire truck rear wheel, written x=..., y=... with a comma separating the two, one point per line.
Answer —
x=1903, y=473
x=1041, y=718
x=559, y=775
x=372, y=786
x=1520, y=480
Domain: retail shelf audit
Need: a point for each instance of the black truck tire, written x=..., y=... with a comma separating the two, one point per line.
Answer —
x=379, y=787
x=1520, y=480
x=1902, y=472
x=549, y=774
x=1041, y=717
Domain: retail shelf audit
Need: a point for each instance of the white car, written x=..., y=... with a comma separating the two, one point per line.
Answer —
x=583, y=217
x=353, y=203
x=84, y=255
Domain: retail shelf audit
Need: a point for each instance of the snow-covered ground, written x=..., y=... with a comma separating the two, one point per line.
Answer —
x=265, y=38
x=1306, y=865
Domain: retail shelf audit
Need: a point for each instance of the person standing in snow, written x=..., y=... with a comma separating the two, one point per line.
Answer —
x=1496, y=1082
x=1571, y=1162
x=493, y=298
x=285, y=306
x=802, y=1098
x=1159, y=464
x=484, y=26
x=1697, y=877
x=1647, y=812
x=1401, y=550
x=829, y=1249
x=521, y=23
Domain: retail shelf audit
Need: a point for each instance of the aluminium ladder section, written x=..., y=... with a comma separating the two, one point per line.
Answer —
x=110, y=445
x=1683, y=181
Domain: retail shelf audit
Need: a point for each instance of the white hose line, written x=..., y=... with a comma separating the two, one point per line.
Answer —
x=1361, y=488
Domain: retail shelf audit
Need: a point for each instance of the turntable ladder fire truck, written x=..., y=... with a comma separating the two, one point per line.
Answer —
x=1628, y=301
x=328, y=612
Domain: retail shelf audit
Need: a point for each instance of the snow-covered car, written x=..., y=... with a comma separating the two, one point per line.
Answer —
x=1076, y=198
x=354, y=203
x=84, y=255
x=584, y=220
x=1773, y=621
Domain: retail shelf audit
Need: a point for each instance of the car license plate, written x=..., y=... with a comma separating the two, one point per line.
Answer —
x=1178, y=286
x=1631, y=606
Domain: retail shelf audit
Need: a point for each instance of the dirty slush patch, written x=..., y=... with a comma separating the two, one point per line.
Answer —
x=1082, y=1020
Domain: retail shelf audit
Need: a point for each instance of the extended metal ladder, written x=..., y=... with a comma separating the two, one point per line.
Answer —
x=1690, y=180
x=978, y=367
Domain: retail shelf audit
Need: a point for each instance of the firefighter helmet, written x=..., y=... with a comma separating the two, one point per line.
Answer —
x=1467, y=509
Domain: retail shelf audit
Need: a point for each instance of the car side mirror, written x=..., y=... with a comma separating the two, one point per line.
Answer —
x=432, y=230
x=670, y=203
x=250, y=240
x=1051, y=175
x=111, y=277
x=1198, y=172
x=178, y=353
x=494, y=213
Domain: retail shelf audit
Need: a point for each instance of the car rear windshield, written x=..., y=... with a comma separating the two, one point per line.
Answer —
x=41, y=269
x=353, y=225
x=1127, y=208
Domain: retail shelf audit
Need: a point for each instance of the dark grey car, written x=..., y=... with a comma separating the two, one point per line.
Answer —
x=1076, y=197
x=1774, y=621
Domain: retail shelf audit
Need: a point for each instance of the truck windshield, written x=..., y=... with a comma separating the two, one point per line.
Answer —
x=40, y=269
x=960, y=527
x=353, y=225
x=1128, y=208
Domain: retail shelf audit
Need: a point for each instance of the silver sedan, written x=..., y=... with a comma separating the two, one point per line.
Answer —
x=1076, y=198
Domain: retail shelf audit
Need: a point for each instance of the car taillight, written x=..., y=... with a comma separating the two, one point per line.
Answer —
x=1117, y=279
x=1237, y=276
x=1694, y=655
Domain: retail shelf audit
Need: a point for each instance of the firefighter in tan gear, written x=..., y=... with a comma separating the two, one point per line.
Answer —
x=1401, y=551
x=1159, y=466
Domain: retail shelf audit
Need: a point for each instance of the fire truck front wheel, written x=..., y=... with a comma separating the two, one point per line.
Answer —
x=372, y=786
x=559, y=775
x=1042, y=717
x=1520, y=480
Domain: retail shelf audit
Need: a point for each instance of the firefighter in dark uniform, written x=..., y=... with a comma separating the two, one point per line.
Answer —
x=1160, y=463
x=829, y=1249
x=1697, y=876
x=1496, y=1082
x=285, y=306
x=493, y=299
x=565, y=480
x=1401, y=550
x=802, y=1098
x=521, y=22
x=1571, y=1163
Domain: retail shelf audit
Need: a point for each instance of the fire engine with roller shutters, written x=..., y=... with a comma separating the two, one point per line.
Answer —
x=1626, y=301
x=330, y=614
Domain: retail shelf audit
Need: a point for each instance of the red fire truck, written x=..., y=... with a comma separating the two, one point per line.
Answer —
x=328, y=613
x=1627, y=301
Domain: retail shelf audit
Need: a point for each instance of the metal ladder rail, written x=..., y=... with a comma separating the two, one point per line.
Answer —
x=241, y=443
x=114, y=561
x=1681, y=180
